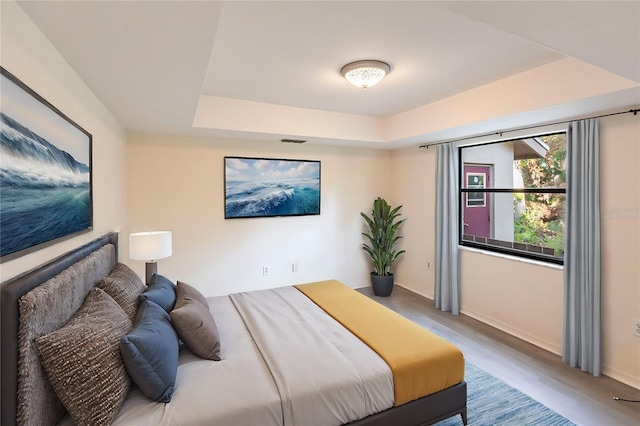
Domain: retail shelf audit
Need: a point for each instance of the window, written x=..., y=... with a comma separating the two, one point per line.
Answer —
x=513, y=196
x=476, y=180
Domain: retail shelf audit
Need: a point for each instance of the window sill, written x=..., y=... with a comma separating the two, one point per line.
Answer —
x=510, y=257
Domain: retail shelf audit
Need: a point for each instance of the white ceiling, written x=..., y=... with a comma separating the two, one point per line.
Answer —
x=290, y=53
x=167, y=66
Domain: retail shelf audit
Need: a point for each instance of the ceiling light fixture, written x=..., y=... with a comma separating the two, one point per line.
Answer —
x=366, y=73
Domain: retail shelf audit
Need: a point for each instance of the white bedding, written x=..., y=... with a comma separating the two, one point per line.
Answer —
x=300, y=367
x=238, y=390
x=325, y=374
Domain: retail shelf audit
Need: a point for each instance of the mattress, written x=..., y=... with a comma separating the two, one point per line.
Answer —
x=285, y=361
x=252, y=384
x=238, y=390
x=324, y=373
x=422, y=362
x=282, y=358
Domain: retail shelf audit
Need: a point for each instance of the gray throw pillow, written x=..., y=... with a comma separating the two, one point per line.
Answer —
x=124, y=286
x=160, y=291
x=150, y=352
x=196, y=328
x=83, y=363
x=185, y=290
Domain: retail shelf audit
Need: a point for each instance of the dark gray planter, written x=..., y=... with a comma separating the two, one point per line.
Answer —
x=382, y=284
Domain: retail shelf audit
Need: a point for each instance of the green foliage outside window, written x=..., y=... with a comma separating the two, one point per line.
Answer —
x=542, y=220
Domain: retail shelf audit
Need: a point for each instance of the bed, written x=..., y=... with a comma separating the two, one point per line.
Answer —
x=264, y=377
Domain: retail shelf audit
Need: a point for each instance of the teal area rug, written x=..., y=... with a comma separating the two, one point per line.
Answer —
x=492, y=402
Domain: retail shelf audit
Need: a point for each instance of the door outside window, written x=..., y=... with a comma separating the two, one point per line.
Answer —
x=477, y=205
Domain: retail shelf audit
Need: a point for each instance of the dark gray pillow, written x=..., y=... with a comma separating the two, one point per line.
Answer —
x=150, y=352
x=185, y=290
x=124, y=286
x=196, y=328
x=83, y=363
x=160, y=291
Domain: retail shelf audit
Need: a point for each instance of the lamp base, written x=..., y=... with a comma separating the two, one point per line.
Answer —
x=152, y=268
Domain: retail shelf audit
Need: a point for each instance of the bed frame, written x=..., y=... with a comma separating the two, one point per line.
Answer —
x=423, y=411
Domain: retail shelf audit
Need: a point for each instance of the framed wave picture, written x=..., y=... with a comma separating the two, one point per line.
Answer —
x=45, y=172
x=267, y=187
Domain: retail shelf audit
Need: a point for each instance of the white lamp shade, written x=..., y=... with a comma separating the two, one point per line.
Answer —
x=149, y=246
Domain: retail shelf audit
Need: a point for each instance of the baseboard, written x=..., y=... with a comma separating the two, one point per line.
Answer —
x=549, y=346
x=414, y=290
x=613, y=373
x=622, y=377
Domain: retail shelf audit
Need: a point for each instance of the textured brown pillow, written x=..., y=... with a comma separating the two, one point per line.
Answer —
x=185, y=290
x=196, y=328
x=124, y=286
x=83, y=363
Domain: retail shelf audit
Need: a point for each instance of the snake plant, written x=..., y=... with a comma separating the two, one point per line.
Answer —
x=382, y=236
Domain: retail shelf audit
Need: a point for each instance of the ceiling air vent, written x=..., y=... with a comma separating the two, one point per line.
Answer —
x=292, y=140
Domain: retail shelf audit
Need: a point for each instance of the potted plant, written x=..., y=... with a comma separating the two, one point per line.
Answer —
x=380, y=245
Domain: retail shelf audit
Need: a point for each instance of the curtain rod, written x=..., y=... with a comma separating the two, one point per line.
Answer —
x=499, y=134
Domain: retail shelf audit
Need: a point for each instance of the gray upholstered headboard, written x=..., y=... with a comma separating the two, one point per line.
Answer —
x=98, y=264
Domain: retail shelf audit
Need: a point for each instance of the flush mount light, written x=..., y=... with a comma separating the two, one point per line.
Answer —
x=366, y=73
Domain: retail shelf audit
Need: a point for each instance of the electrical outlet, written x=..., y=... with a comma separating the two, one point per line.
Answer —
x=294, y=267
x=636, y=327
x=428, y=264
x=265, y=270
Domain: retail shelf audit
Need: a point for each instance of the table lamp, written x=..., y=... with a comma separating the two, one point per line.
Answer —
x=150, y=246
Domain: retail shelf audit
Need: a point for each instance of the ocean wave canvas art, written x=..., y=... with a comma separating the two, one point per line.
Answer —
x=266, y=187
x=45, y=172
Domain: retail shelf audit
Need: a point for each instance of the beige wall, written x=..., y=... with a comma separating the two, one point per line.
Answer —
x=176, y=183
x=414, y=187
x=524, y=298
x=28, y=55
x=620, y=190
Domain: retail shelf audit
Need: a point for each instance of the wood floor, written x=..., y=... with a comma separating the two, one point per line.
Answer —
x=578, y=396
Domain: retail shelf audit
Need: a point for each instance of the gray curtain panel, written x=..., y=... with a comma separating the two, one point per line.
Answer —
x=447, y=287
x=581, y=338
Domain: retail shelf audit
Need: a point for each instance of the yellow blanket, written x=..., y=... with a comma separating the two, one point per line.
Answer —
x=421, y=362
